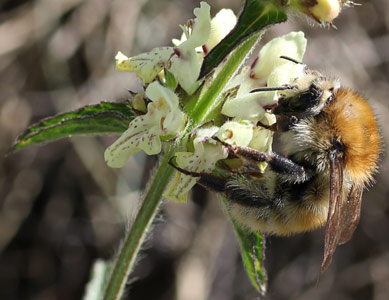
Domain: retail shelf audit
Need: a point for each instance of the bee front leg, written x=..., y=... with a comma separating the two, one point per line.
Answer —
x=278, y=163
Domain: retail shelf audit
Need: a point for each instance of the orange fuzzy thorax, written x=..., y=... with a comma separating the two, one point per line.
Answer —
x=356, y=127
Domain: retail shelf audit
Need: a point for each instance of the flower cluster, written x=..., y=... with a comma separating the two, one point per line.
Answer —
x=184, y=60
x=163, y=117
x=245, y=110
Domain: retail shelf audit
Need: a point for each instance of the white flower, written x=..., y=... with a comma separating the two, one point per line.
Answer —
x=292, y=45
x=186, y=64
x=236, y=133
x=263, y=139
x=221, y=25
x=163, y=118
x=200, y=29
x=182, y=60
x=267, y=69
x=146, y=65
x=206, y=153
x=249, y=106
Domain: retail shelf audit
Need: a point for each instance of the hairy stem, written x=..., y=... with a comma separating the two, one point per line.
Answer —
x=126, y=259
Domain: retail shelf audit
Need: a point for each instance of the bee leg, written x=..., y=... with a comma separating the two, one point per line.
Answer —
x=241, y=195
x=277, y=163
x=283, y=124
x=268, y=127
x=213, y=182
x=233, y=192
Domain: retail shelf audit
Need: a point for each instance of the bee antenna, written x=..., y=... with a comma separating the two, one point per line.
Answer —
x=291, y=59
x=278, y=88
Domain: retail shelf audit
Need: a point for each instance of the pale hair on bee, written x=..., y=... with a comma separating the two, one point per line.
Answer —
x=331, y=149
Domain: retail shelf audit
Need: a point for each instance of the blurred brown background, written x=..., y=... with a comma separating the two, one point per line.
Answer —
x=61, y=207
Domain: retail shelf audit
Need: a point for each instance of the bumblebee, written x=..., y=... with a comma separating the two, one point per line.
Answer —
x=332, y=145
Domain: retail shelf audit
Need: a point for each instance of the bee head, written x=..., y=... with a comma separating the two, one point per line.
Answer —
x=313, y=93
x=345, y=130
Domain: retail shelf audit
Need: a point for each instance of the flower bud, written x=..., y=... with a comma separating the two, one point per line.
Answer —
x=325, y=10
x=139, y=103
x=322, y=11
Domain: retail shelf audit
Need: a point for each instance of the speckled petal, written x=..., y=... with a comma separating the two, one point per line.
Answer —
x=163, y=117
x=203, y=159
x=146, y=65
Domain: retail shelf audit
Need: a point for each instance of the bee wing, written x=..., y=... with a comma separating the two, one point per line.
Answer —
x=332, y=231
x=351, y=212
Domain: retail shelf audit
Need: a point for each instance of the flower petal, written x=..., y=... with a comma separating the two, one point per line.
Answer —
x=167, y=102
x=163, y=117
x=236, y=133
x=285, y=74
x=186, y=68
x=262, y=139
x=186, y=64
x=201, y=28
x=146, y=65
x=139, y=136
x=221, y=25
x=292, y=45
x=203, y=159
x=247, y=107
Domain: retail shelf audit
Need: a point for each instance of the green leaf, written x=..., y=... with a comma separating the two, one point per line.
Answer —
x=256, y=15
x=210, y=99
x=252, y=249
x=103, y=118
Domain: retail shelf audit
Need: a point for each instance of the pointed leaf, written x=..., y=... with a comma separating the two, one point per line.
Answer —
x=252, y=248
x=256, y=15
x=103, y=118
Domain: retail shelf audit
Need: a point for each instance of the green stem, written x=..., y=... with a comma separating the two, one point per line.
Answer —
x=135, y=236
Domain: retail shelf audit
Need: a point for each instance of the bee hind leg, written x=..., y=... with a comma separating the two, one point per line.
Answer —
x=278, y=163
x=242, y=195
